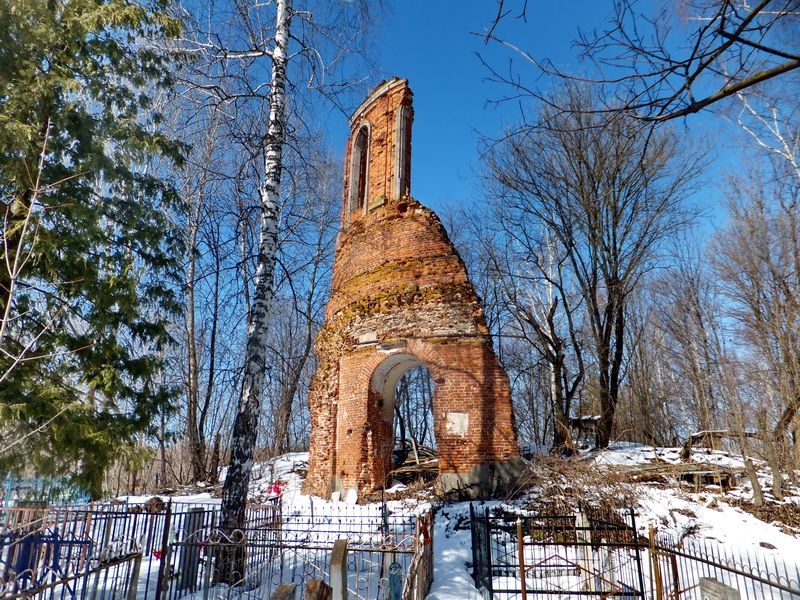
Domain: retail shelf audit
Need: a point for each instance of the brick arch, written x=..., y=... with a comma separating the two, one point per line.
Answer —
x=385, y=377
x=400, y=289
x=471, y=404
x=381, y=398
x=409, y=353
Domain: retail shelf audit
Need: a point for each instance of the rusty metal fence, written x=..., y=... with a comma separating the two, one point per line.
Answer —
x=679, y=568
x=593, y=554
x=420, y=572
x=590, y=555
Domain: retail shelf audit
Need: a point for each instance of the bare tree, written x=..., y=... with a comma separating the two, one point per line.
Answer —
x=611, y=191
x=543, y=305
x=414, y=411
x=651, y=398
x=207, y=361
x=689, y=314
x=234, y=494
x=772, y=123
x=739, y=416
x=198, y=186
x=757, y=258
x=685, y=57
x=305, y=262
x=502, y=273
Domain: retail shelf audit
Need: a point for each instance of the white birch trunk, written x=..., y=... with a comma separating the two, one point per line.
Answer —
x=234, y=492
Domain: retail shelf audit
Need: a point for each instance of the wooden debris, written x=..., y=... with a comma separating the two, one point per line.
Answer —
x=711, y=438
x=697, y=474
x=422, y=463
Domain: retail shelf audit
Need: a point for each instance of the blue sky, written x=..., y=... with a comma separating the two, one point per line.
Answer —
x=432, y=44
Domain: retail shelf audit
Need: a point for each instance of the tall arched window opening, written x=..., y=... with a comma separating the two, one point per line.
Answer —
x=401, y=154
x=358, y=170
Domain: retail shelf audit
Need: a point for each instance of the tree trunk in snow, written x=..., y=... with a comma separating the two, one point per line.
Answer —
x=195, y=413
x=234, y=491
x=758, y=495
x=193, y=433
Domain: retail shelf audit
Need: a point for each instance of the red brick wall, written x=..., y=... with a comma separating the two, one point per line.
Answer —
x=380, y=114
x=400, y=288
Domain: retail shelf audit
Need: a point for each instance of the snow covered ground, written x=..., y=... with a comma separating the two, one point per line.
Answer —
x=452, y=552
x=707, y=513
x=703, y=516
x=628, y=453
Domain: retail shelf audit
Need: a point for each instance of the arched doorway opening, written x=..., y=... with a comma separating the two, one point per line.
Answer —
x=413, y=416
x=402, y=389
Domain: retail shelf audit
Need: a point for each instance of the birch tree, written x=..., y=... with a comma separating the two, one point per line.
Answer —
x=267, y=66
x=237, y=479
x=772, y=124
x=303, y=285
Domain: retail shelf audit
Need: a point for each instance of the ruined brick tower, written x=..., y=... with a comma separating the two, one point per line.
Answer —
x=400, y=298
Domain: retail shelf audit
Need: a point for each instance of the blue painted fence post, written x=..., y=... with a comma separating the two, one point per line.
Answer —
x=395, y=581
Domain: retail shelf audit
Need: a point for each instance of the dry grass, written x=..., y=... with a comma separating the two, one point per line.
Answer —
x=783, y=513
x=556, y=484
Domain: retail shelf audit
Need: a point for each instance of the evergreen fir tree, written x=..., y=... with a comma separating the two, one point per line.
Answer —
x=89, y=220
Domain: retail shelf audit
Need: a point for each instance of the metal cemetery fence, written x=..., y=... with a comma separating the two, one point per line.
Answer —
x=677, y=567
x=420, y=572
x=75, y=539
x=123, y=553
x=555, y=555
x=593, y=554
x=91, y=551
x=296, y=549
x=54, y=562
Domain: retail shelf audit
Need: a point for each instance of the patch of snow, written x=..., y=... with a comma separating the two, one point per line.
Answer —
x=201, y=498
x=452, y=550
x=731, y=526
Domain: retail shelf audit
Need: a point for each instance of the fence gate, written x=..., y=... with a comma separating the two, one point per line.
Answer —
x=481, y=550
x=589, y=555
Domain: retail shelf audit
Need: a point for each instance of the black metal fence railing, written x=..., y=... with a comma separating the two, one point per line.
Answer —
x=114, y=579
x=44, y=544
x=87, y=553
x=590, y=555
x=294, y=549
x=593, y=554
x=43, y=564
